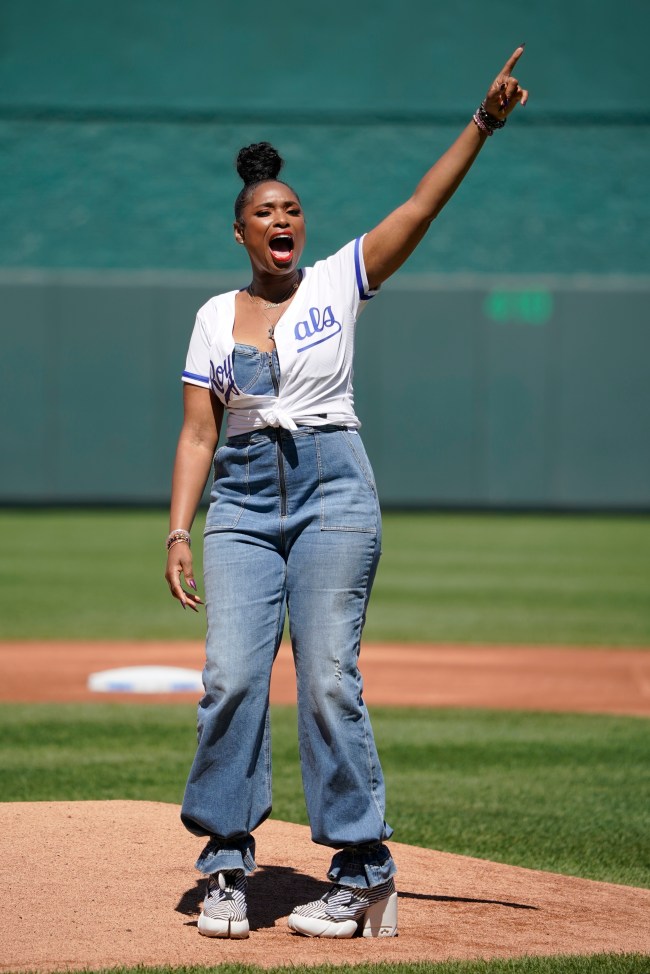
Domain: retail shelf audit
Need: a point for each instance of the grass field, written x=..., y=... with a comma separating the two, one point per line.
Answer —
x=465, y=578
x=596, y=964
x=566, y=793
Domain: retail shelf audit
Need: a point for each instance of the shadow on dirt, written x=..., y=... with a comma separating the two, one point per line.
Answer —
x=273, y=891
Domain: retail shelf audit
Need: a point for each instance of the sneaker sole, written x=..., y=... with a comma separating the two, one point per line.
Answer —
x=232, y=929
x=379, y=920
x=312, y=927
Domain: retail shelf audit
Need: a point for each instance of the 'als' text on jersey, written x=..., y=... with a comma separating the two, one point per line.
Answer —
x=316, y=329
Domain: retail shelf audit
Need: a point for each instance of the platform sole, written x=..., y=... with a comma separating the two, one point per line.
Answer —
x=379, y=920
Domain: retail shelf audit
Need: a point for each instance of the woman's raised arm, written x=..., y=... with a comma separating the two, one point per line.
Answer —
x=390, y=243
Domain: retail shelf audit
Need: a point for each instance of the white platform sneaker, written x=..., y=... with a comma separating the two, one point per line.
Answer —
x=345, y=910
x=224, y=907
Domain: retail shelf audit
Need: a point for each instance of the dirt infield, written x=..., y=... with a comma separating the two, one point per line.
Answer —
x=101, y=884
x=505, y=677
x=85, y=885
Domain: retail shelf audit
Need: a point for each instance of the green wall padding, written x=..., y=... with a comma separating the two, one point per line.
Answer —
x=476, y=392
x=119, y=124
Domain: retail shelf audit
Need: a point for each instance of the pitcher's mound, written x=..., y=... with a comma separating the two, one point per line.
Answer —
x=101, y=884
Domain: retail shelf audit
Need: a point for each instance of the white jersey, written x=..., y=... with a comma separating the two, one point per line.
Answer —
x=314, y=339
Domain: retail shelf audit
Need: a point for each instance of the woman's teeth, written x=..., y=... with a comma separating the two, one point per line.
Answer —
x=282, y=248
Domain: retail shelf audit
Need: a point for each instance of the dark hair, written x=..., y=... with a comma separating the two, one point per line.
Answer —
x=256, y=163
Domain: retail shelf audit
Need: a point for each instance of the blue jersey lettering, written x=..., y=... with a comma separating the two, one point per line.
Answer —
x=318, y=322
x=222, y=380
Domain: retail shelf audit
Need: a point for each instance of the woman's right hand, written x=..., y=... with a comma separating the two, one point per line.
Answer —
x=202, y=415
x=179, y=564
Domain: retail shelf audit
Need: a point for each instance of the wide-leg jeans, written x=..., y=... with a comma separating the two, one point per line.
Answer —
x=293, y=525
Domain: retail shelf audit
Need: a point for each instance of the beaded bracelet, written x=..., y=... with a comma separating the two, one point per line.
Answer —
x=174, y=537
x=487, y=123
x=177, y=541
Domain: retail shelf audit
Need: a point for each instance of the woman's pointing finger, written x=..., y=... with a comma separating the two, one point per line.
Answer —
x=512, y=60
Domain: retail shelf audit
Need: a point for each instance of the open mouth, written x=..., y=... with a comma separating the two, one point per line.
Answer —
x=282, y=248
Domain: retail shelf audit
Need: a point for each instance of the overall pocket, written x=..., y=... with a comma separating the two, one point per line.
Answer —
x=230, y=488
x=347, y=486
x=253, y=371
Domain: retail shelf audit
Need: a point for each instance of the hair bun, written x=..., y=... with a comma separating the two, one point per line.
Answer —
x=259, y=162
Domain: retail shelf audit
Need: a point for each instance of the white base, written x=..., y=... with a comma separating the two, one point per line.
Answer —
x=146, y=679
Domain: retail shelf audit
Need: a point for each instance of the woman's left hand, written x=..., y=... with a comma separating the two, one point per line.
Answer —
x=387, y=246
x=505, y=93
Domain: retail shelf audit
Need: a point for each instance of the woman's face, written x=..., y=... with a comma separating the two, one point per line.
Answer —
x=272, y=228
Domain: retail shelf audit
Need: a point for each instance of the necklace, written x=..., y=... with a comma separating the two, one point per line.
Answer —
x=273, y=304
x=265, y=305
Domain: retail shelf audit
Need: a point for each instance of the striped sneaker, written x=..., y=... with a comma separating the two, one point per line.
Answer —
x=224, y=906
x=345, y=909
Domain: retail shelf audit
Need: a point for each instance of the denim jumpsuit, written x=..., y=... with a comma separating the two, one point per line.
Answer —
x=293, y=525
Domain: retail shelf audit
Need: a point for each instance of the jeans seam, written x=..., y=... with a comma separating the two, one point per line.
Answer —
x=319, y=465
x=371, y=771
x=371, y=767
x=360, y=464
x=268, y=754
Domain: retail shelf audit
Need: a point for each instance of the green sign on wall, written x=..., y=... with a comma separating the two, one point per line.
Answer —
x=529, y=306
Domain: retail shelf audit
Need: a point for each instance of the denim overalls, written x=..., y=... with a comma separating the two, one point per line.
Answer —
x=293, y=524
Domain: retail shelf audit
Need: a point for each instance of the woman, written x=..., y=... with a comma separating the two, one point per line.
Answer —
x=293, y=525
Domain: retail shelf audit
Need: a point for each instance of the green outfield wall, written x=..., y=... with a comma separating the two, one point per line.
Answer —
x=513, y=392
x=520, y=375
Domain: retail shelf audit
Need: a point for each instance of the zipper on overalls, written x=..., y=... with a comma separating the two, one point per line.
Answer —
x=278, y=444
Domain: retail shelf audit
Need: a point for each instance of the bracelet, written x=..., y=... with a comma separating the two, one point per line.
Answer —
x=178, y=535
x=177, y=541
x=485, y=122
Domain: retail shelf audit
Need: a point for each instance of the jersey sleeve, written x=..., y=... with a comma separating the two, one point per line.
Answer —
x=197, y=364
x=347, y=273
